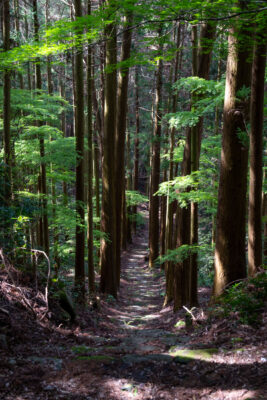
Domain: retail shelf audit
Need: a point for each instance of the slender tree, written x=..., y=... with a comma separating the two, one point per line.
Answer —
x=201, y=66
x=90, y=250
x=155, y=169
x=121, y=135
x=255, y=171
x=136, y=139
x=44, y=231
x=6, y=108
x=79, y=132
x=108, y=281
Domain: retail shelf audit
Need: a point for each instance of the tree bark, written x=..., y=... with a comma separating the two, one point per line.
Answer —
x=201, y=66
x=43, y=185
x=79, y=132
x=108, y=280
x=255, y=172
x=155, y=171
x=6, y=106
x=136, y=141
x=230, y=248
x=90, y=214
x=120, y=137
x=169, y=266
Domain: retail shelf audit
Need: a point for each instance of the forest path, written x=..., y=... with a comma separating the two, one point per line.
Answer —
x=137, y=350
x=133, y=349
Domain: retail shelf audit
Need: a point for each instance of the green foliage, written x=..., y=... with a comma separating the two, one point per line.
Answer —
x=206, y=95
x=243, y=137
x=181, y=253
x=133, y=198
x=246, y=299
x=183, y=189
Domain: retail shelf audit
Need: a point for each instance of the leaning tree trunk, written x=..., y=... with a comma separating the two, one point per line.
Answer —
x=255, y=184
x=230, y=248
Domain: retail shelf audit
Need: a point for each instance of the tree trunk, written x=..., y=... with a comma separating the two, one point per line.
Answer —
x=169, y=266
x=79, y=132
x=155, y=171
x=256, y=137
x=201, y=66
x=128, y=224
x=120, y=137
x=136, y=142
x=43, y=186
x=6, y=106
x=108, y=280
x=182, y=269
x=90, y=214
x=230, y=248
x=17, y=26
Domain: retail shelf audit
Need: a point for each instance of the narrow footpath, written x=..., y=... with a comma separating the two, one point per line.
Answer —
x=134, y=349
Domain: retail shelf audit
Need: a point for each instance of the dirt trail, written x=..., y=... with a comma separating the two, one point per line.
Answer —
x=134, y=349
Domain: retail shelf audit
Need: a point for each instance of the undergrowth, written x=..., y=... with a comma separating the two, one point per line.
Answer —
x=245, y=300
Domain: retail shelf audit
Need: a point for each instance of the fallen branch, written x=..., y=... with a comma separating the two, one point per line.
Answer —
x=190, y=312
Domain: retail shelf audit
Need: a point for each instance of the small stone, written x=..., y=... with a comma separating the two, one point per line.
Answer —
x=48, y=388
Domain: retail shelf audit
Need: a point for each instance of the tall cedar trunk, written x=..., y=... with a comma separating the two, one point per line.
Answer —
x=195, y=141
x=43, y=187
x=6, y=106
x=136, y=141
x=53, y=183
x=182, y=269
x=230, y=248
x=29, y=82
x=182, y=230
x=169, y=266
x=99, y=129
x=91, y=273
x=120, y=138
x=163, y=199
x=108, y=281
x=264, y=214
x=17, y=26
x=201, y=66
x=74, y=91
x=155, y=171
x=79, y=132
x=128, y=221
x=255, y=184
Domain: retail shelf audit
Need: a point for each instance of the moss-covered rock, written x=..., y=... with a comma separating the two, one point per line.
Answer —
x=187, y=355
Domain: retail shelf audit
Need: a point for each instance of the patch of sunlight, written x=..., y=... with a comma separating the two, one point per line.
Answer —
x=71, y=273
x=241, y=394
x=189, y=354
x=139, y=255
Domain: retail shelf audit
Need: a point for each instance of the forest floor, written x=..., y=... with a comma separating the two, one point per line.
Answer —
x=132, y=348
